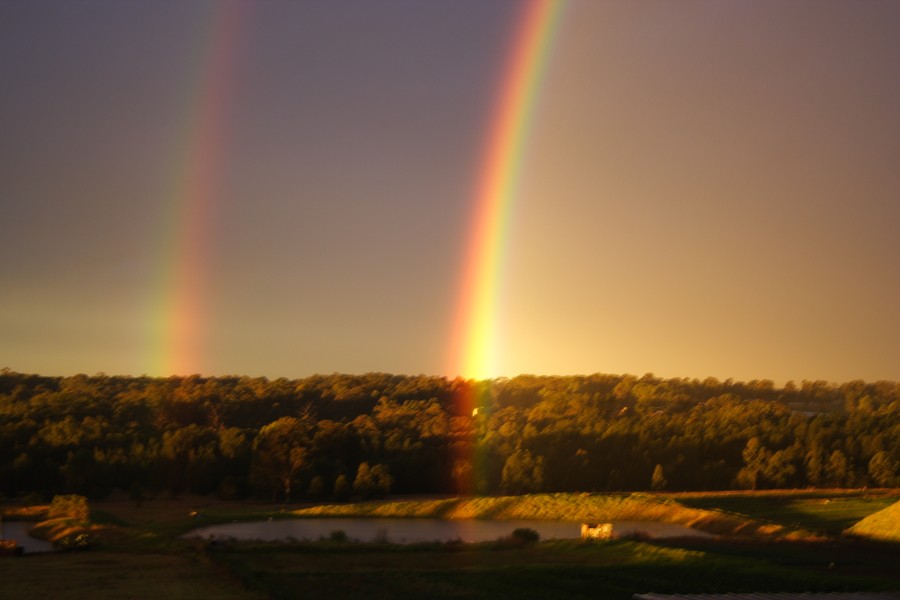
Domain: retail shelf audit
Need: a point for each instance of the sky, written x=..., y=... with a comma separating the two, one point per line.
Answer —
x=275, y=188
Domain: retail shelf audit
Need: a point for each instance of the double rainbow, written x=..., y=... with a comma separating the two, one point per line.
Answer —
x=179, y=322
x=475, y=347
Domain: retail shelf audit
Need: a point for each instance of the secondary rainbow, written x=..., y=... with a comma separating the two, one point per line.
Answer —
x=475, y=347
x=178, y=319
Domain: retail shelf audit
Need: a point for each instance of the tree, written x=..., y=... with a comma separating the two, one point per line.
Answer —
x=364, y=483
x=755, y=456
x=70, y=506
x=658, y=479
x=814, y=464
x=778, y=469
x=279, y=453
x=383, y=480
x=316, y=487
x=838, y=469
x=522, y=473
x=341, y=487
x=883, y=470
x=372, y=482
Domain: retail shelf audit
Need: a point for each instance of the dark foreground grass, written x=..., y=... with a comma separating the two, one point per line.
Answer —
x=615, y=569
x=101, y=575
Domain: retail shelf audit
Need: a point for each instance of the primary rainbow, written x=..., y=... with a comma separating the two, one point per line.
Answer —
x=178, y=310
x=475, y=347
x=475, y=344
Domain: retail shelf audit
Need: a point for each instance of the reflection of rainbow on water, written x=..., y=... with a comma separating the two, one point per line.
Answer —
x=474, y=347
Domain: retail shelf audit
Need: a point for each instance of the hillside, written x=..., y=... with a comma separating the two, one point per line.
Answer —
x=366, y=436
x=563, y=507
x=883, y=525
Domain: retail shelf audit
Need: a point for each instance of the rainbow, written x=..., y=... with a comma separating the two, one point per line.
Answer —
x=475, y=347
x=178, y=319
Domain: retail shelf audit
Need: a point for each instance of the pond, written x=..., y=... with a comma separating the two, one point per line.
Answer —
x=18, y=531
x=413, y=530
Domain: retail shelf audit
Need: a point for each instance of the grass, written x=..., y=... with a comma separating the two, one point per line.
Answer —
x=23, y=513
x=882, y=525
x=174, y=516
x=141, y=555
x=116, y=575
x=562, y=507
x=556, y=569
x=827, y=512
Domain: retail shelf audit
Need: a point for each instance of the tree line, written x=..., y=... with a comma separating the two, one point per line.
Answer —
x=341, y=436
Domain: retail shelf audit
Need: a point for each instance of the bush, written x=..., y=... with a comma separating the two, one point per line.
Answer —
x=338, y=535
x=75, y=543
x=525, y=536
x=70, y=506
x=519, y=538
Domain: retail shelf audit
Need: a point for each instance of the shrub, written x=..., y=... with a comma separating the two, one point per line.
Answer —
x=75, y=543
x=70, y=506
x=525, y=535
x=338, y=535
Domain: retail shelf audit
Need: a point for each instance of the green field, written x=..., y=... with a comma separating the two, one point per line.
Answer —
x=824, y=512
x=883, y=525
x=139, y=554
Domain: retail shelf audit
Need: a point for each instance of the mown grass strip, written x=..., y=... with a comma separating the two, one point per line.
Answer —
x=882, y=525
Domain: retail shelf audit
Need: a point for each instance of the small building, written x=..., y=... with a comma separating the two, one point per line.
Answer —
x=596, y=531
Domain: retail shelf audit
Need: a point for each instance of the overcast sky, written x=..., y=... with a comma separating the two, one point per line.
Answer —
x=710, y=188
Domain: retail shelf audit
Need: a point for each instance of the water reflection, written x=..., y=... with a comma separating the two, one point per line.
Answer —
x=18, y=531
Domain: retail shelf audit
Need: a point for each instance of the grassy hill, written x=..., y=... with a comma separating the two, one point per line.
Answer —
x=826, y=512
x=563, y=507
x=883, y=525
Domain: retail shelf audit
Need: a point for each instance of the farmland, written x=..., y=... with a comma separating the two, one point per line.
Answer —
x=769, y=541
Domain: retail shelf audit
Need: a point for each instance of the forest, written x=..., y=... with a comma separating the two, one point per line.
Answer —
x=362, y=436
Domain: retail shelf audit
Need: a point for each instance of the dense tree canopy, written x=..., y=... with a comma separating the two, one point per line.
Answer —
x=372, y=434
